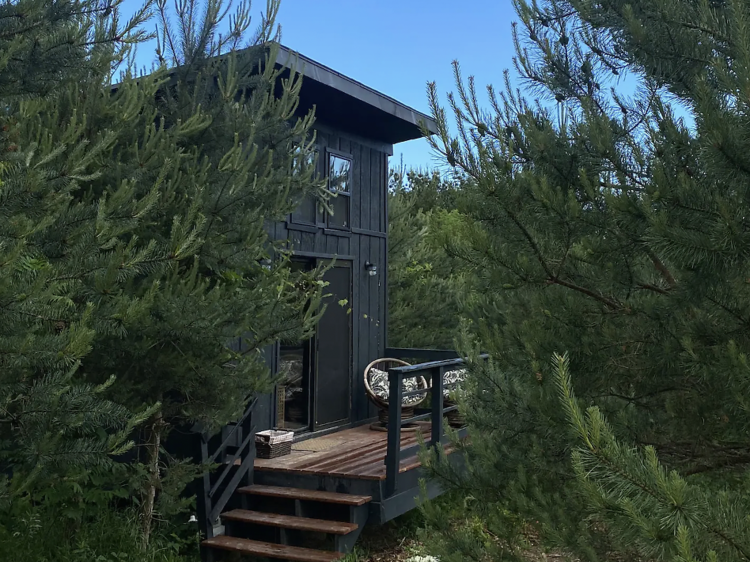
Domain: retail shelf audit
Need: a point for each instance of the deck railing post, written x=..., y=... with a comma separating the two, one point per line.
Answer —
x=437, y=404
x=204, y=504
x=393, y=454
x=214, y=489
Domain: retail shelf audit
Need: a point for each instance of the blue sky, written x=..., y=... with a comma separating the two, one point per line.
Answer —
x=397, y=46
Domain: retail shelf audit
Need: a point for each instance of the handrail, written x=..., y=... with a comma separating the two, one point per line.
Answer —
x=414, y=370
x=214, y=494
x=396, y=394
x=229, y=436
x=423, y=354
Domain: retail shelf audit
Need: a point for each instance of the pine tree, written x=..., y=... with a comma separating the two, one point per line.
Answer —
x=51, y=238
x=132, y=239
x=612, y=227
x=421, y=273
x=229, y=156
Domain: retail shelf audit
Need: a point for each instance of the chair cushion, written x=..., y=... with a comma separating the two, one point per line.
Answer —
x=379, y=383
x=290, y=370
x=454, y=378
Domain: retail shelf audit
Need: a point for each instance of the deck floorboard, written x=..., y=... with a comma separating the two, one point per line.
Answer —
x=357, y=453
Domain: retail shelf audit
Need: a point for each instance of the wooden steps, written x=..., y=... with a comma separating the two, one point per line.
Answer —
x=250, y=522
x=303, y=494
x=270, y=550
x=290, y=522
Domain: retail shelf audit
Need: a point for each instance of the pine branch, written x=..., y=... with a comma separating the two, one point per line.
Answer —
x=662, y=269
x=732, y=462
x=654, y=288
x=599, y=443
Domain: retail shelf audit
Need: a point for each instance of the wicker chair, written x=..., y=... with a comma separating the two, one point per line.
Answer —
x=379, y=394
x=453, y=377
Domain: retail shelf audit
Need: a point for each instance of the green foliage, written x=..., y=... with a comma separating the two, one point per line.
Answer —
x=85, y=515
x=392, y=540
x=615, y=228
x=107, y=535
x=659, y=511
x=421, y=273
x=132, y=230
x=226, y=160
x=61, y=425
x=52, y=237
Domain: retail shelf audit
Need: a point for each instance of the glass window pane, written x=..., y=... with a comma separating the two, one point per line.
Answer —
x=303, y=160
x=340, y=216
x=338, y=173
x=306, y=210
x=295, y=372
x=294, y=389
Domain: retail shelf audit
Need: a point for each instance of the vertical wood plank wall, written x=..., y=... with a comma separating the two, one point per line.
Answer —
x=366, y=242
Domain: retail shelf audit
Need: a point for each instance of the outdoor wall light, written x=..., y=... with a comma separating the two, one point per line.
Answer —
x=265, y=263
x=372, y=269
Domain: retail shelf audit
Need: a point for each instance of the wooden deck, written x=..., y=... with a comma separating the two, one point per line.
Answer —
x=357, y=453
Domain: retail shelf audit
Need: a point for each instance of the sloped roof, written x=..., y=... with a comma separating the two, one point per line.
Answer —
x=349, y=105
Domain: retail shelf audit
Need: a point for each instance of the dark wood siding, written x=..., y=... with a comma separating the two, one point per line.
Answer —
x=365, y=242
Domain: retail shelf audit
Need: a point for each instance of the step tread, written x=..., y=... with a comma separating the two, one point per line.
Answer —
x=271, y=550
x=303, y=494
x=290, y=522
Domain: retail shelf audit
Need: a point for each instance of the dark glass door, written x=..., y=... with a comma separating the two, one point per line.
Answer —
x=296, y=373
x=293, y=392
x=332, y=396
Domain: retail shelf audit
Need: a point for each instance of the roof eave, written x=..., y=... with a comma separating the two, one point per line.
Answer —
x=313, y=70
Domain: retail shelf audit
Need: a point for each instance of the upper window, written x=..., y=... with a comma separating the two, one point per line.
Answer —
x=306, y=212
x=340, y=184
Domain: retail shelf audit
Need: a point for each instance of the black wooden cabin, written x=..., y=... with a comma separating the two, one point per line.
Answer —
x=356, y=128
x=341, y=474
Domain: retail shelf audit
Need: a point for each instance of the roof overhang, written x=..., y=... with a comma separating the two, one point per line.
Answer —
x=347, y=105
x=351, y=106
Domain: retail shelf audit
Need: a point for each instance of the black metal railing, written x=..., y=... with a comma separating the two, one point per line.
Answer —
x=421, y=354
x=433, y=372
x=234, y=452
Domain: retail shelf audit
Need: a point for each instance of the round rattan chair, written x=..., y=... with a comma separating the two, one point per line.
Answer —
x=376, y=385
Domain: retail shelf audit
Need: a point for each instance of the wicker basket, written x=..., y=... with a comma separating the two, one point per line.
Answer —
x=271, y=444
x=455, y=418
x=382, y=405
x=264, y=451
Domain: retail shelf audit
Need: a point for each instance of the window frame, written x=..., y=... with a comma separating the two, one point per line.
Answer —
x=318, y=150
x=348, y=194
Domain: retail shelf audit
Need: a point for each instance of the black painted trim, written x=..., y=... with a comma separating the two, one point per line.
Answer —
x=424, y=354
x=390, y=508
x=329, y=430
x=368, y=232
x=301, y=227
x=322, y=256
x=334, y=232
x=386, y=257
x=340, y=153
x=333, y=229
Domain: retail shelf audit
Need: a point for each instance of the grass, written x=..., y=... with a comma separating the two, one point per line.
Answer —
x=111, y=537
x=395, y=541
